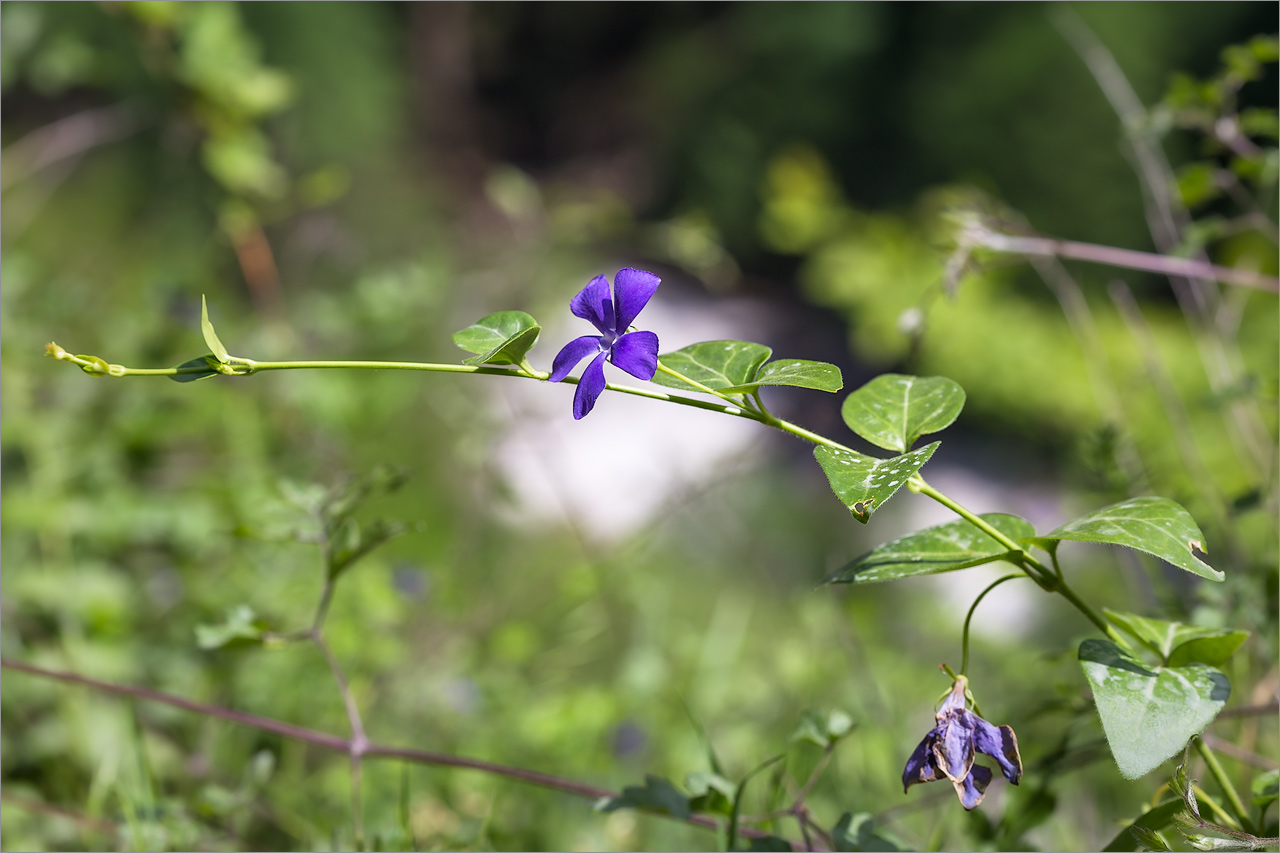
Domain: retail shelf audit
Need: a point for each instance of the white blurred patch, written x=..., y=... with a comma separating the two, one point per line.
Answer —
x=612, y=471
x=1012, y=609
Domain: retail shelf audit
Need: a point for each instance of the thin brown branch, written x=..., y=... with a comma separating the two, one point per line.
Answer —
x=337, y=744
x=1126, y=258
x=67, y=138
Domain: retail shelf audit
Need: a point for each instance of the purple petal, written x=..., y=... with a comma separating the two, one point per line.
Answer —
x=974, y=787
x=954, y=745
x=637, y=354
x=593, y=303
x=1001, y=744
x=920, y=766
x=572, y=353
x=590, y=386
x=632, y=289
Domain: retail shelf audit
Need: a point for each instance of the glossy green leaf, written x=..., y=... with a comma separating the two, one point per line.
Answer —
x=945, y=548
x=796, y=372
x=657, y=795
x=502, y=338
x=1149, y=713
x=210, y=336
x=716, y=364
x=864, y=483
x=1157, y=526
x=892, y=410
x=858, y=832
x=204, y=362
x=241, y=628
x=1132, y=835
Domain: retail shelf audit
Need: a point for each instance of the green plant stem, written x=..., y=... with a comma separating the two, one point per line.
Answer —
x=1224, y=782
x=1036, y=570
x=1031, y=566
x=964, y=635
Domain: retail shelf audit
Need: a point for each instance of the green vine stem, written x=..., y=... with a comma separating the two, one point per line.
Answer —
x=1033, y=568
x=964, y=634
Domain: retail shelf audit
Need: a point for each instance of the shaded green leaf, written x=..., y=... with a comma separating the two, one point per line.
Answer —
x=1212, y=649
x=356, y=542
x=858, y=832
x=945, y=548
x=864, y=483
x=718, y=365
x=823, y=730
x=241, y=628
x=210, y=336
x=204, y=361
x=796, y=372
x=893, y=410
x=1164, y=637
x=1265, y=789
x=1156, y=526
x=709, y=793
x=1144, y=827
x=501, y=338
x=657, y=795
x=1149, y=713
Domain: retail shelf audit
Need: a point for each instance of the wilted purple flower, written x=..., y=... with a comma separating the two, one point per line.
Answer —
x=948, y=751
x=634, y=352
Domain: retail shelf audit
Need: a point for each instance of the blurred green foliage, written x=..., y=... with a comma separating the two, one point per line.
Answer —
x=312, y=170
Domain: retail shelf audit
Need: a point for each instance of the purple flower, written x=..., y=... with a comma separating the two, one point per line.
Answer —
x=948, y=751
x=634, y=352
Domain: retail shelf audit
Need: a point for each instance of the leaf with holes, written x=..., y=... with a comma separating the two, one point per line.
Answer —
x=719, y=365
x=1157, y=526
x=892, y=411
x=1149, y=713
x=864, y=483
x=945, y=548
x=796, y=372
x=502, y=338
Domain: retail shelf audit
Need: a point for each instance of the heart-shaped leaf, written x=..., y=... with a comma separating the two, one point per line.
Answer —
x=502, y=338
x=892, y=411
x=202, y=362
x=1158, y=526
x=210, y=336
x=718, y=365
x=1149, y=713
x=945, y=548
x=818, y=375
x=864, y=483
